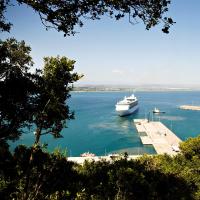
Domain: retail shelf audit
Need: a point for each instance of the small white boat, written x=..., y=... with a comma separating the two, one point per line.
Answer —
x=87, y=154
x=157, y=111
x=175, y=148
x=114, y=155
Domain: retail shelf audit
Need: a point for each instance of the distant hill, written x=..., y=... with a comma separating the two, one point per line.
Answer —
x=118, y=88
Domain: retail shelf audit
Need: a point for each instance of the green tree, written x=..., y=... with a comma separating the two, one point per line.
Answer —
x=185, y=165
x=135, y=179
x=33, y=99
x=4, y=26
x=17, y=88
x=51, y=110
x=191, y=148
x=66, y=15
x=52, y=176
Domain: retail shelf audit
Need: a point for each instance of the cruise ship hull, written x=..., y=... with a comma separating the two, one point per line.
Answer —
x=126, y=112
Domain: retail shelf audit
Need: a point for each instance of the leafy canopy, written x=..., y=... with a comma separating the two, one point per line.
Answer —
x=66, y=15
x=28, y=99
x=4, y=25
x=52, y=110
x=51, y=176
x=191, y=148
x=16, y=88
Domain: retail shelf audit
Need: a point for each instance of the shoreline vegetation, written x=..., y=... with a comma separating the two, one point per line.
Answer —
x=54, y=177
x=102, y=88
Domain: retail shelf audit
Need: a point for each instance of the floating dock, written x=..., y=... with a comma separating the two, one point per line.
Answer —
x=189, y=107
x=157, y=134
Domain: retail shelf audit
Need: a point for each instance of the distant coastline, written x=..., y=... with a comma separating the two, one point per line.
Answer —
x=100, y=88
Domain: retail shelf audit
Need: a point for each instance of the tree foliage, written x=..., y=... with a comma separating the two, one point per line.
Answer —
x=191, y=148
x=16, y=88
x=4, y=26
x=51, y=108
x=66, y=15
x=28, y=99
x=53, y=177
x=32, y=99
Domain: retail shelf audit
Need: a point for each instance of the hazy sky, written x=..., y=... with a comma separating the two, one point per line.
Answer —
x=110, y=52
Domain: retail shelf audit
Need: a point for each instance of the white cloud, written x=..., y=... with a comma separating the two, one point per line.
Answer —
x=117, y=71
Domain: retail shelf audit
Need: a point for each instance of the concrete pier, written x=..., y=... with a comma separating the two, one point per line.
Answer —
x=158, y=135
x=151, y=133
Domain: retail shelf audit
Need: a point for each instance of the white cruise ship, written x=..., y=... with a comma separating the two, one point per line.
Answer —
x=127, y=106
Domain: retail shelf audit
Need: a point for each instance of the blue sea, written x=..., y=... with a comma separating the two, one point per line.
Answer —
x=98, y=129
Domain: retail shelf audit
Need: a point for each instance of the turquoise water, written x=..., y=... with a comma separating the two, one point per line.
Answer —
x=98, y=129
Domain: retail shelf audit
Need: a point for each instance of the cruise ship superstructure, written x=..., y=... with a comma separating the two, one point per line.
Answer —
x=127, y=106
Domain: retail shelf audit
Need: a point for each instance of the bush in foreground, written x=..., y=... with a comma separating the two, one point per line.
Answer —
x=31, y=173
